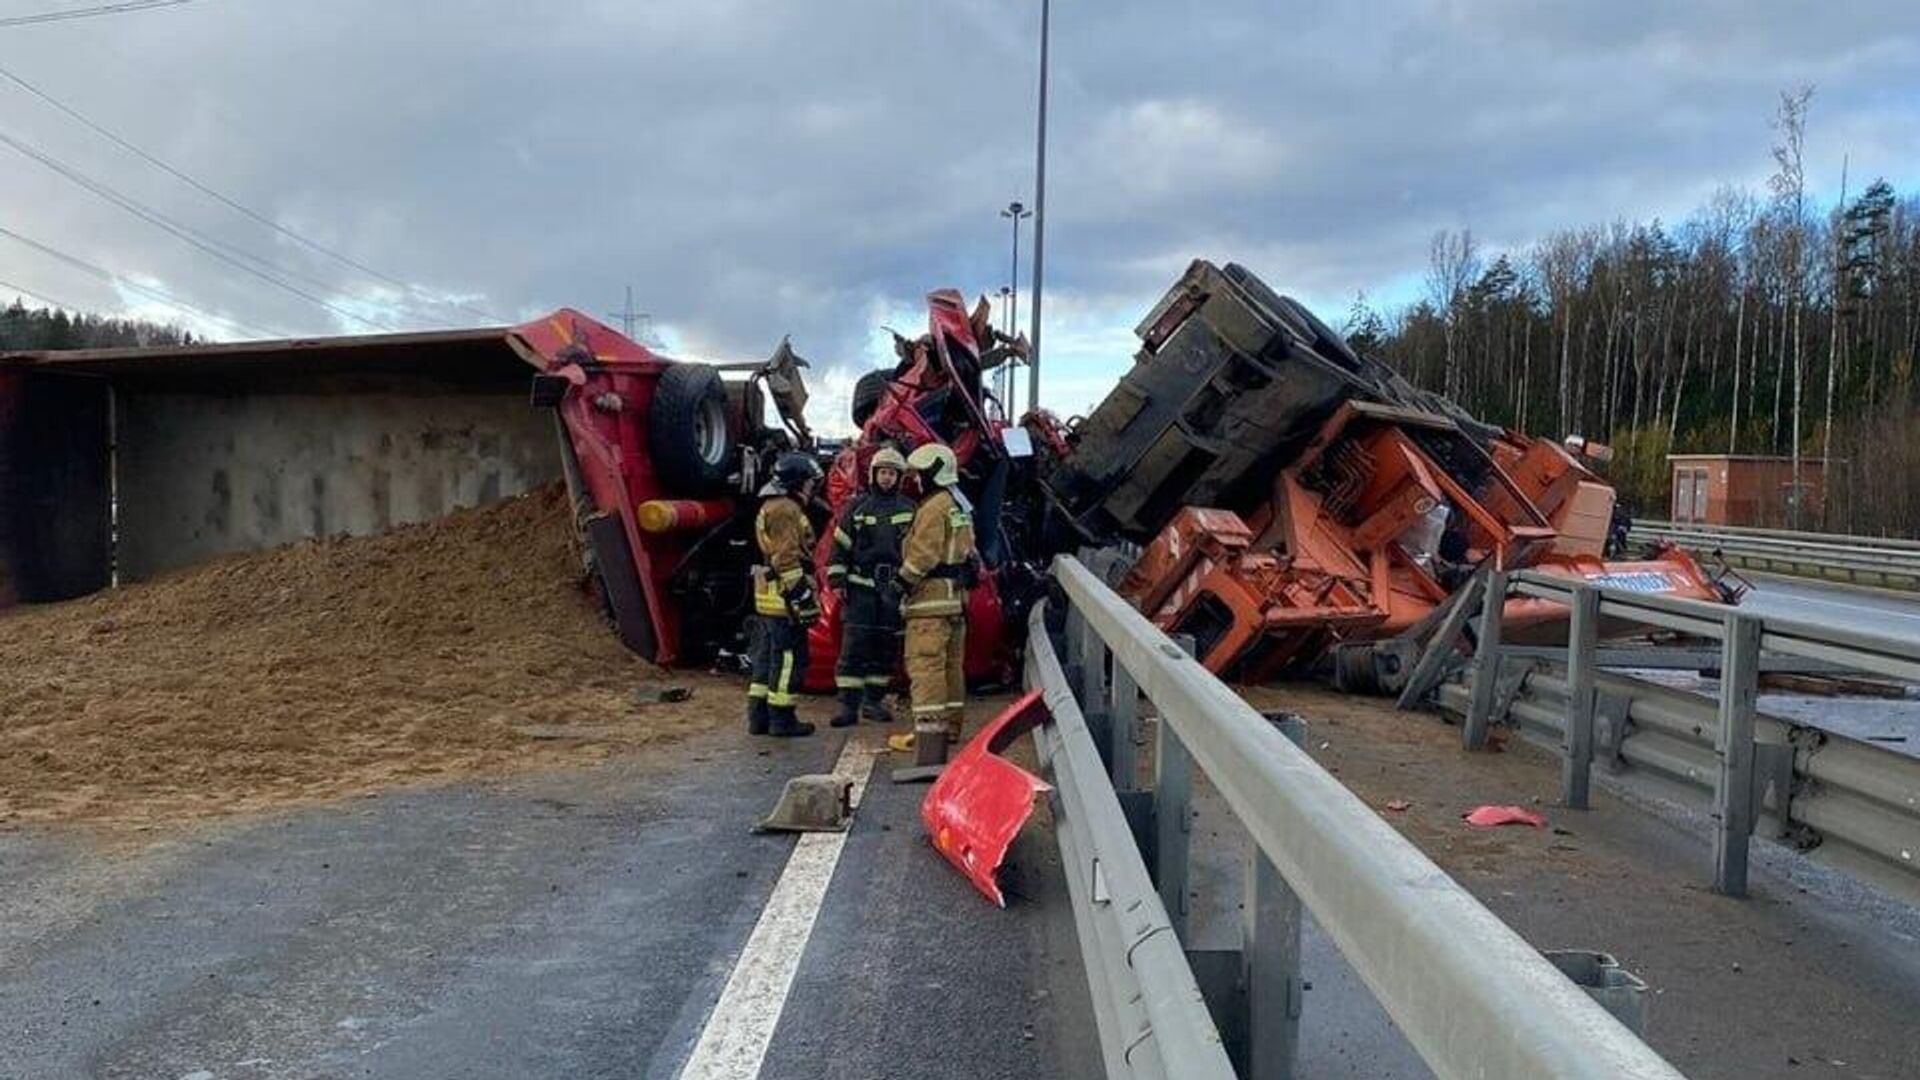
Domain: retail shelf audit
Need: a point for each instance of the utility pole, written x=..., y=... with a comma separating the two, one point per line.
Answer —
x=631, y=320
x=1015, y=212
x=1040, y=216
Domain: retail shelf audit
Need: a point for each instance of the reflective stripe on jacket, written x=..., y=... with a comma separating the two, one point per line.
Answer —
x=866, y=543
x=785, y=538
x=938, y=549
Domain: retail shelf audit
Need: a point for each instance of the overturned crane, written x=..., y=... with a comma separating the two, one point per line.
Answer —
x=1292, y=494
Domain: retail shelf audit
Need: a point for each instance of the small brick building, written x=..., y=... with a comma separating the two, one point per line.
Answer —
x=1743, y=489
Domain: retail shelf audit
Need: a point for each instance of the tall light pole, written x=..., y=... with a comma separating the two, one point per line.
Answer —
x=1040, y=217
x=1015, y=212
x=1003, y=379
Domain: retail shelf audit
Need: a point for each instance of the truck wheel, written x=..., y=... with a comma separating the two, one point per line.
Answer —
x=867, y=394
x=687, y=430
x=1325, y=341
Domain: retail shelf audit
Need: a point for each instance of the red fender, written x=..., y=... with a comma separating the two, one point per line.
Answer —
x=977, y=806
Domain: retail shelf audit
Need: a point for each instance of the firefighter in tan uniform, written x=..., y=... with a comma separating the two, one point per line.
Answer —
x=784, y=602
x=938, y=565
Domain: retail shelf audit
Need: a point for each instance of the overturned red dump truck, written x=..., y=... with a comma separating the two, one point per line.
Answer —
x=663, y=459
x=1292, y=495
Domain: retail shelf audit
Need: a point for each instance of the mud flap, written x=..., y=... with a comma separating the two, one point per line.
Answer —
x=976, y=808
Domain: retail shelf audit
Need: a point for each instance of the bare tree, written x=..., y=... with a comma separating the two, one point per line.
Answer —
x=1453, y=264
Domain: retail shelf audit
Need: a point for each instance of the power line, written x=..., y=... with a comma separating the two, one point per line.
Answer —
x=152, y=292
x=235, y=204
x=42, y=297
x=183, y=232
x=127, y=7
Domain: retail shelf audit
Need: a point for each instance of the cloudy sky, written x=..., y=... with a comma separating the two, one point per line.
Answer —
x=814, y=166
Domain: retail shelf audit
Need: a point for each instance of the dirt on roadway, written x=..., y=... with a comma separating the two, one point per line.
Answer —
x=460, y=647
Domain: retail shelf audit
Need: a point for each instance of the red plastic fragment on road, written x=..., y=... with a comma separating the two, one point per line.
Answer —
x=976, y=808
x=1486, y=817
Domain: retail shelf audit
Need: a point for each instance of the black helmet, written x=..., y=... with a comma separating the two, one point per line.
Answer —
x=792, y=471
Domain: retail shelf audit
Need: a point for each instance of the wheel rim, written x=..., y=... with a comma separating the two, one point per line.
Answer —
x=710, y=432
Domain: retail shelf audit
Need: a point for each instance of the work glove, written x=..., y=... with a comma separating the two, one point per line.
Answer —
x=803, y=602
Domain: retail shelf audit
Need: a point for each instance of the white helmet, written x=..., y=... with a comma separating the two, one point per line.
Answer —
x=936, y=462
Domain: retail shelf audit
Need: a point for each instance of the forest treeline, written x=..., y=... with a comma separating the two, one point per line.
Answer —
x=1760, y=324
x=22, y=327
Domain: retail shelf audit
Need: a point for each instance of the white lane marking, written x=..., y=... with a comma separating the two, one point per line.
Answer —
x=734, y=1043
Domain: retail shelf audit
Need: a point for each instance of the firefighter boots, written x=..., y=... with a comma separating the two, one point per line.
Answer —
x=849, y=713
x=874, y=707
x=785, y=725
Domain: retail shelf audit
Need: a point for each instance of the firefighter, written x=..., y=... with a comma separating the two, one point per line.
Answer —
x=784, y=603
x=866, y=562
x=937, y=567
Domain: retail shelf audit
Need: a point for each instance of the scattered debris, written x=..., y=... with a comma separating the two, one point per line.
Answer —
x=1398, y=805
x=977, y=806
x=816, y=802
x=649, y=693
x=1487, y=817
x=1831, y=685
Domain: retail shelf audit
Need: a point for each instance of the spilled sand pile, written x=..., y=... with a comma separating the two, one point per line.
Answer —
x=458, y=647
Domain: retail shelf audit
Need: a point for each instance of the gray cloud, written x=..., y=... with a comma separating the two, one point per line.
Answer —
x=763, y=168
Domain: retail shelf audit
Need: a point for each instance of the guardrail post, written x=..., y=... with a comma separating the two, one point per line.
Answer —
x=1582, y=638
x=1733, y=790
x=1172, y=814
x=1075, y=629
x=1270, y=952
x=1122, y=713
x=1090, y=661
x=1486, y=662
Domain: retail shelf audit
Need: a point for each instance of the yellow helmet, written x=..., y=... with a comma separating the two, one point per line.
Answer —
x=886, y=458
x=936, y=462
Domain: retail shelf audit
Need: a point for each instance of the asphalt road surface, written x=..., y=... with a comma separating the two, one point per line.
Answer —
x=574, y=924
x=1874, y=611
x=1893, y=724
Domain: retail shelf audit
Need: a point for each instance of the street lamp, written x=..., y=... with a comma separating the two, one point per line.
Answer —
x=1040, y=221
x=1015, y=212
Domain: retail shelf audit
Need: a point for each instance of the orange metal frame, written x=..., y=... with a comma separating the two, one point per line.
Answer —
x=1324, y=558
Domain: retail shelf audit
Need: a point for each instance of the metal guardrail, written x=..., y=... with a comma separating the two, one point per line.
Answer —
x=1886, y=562
x=1470, y=995
x=1844, y=800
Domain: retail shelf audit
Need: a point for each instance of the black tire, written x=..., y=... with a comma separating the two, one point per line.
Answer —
x=687, y=431
x=1325, y=341
x=1110, y=563
x=867, y=394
